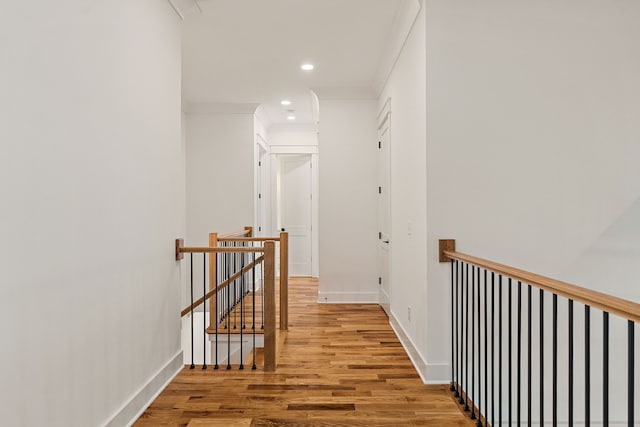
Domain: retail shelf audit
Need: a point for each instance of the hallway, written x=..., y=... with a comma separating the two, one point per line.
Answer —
x=339, y=365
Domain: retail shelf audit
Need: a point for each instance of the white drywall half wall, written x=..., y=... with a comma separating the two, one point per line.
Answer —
x=533, y=143
x=92, y=190
x=405, y=95
x=347, y=208
x=220, y=173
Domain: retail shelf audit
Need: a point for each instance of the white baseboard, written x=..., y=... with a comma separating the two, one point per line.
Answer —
x=141, y=400
x=347, y=298
x=430, y=373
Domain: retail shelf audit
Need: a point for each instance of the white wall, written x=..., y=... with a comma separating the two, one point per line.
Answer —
x=347, y=208
x=220, y=173
x=405, y=88
x=92, y=190
x=533, y=142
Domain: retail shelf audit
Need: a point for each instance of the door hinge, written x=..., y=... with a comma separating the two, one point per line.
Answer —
x=379, y=235
x=259, y=163
x=259, y=228
x=379, y=144
x=379, y=280
x=379, y=190
x=259, y=196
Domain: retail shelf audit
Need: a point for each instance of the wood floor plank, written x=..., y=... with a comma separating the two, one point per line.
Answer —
x=338, y=365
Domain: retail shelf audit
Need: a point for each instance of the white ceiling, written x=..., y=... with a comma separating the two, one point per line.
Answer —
x=250, y=51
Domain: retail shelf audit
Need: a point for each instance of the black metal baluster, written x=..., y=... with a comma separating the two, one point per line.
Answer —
x=253, y=304
x=630, y=372
x=519, y=357
x=529, y=364
x=242, y=284
x=216, y=366
x=456, y=393
x=473, y=343
x=493, y=339
x=486, y=354
x=466, y=340
x=587, y=365
x=510, y=355
x=228, y=313
x=204, y=312
x=500, y=350
x=605, y=368
x=570, y=385
x=192, y=350
x=479, y=406
x=453, y=373
x=555, y=361
x=541, y=357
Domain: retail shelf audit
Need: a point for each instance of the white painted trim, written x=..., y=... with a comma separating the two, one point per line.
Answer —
x=347, y=297
x=344, y=93
x=183, y=11
x=294, y=149
x=297, y=127
x=142, y=399
x=221, y=108
x=402, y=26
x=412, y=351
x=261, y=142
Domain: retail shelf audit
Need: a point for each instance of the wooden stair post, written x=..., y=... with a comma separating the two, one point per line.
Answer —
x=269, y=307
x=284, y=281
x=213, y=282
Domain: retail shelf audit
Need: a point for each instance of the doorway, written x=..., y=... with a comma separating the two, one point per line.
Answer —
x=384, y=210
x=294, y=213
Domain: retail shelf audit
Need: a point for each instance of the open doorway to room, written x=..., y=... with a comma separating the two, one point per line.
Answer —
x=294, y=213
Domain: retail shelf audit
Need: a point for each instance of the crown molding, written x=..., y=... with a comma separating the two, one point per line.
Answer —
x=220, y=108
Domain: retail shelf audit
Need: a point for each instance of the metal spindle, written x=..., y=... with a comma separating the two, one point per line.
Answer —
x=541, y=357
x=479, y=423
x=493, y=339
x=253, y=304
x=605, y=368
x=466, y=340
x=509, y=353
x=530, y=348
x=519, y=357
x=486, y=360
x=570, y=385
x=587, y=365
x=500, y=350
x=473, y=343
x=204, y=312
x=241, y=367
x=216, y=366
x=192, y=350
x=555, y=361
x=453, y=374
x=228, y=308
x=456, y=393
x=630, y=371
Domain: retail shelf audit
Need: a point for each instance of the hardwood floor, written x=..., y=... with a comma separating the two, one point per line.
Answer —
x=339, y=365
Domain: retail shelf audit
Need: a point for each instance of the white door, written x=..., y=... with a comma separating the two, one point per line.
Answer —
x=261, y=210
x=384, y=215
x=295, y=210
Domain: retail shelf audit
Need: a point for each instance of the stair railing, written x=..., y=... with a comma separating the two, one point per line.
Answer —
x=238, y=279
x=510, y=382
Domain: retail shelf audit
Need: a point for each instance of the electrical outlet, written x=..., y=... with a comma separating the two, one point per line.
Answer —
x=409, y=313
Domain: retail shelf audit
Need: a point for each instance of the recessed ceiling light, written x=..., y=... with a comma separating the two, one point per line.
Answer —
x=307, y=67
x=285, y=102
x=292, y=117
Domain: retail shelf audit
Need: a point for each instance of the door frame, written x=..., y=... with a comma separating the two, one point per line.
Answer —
x=384, y=123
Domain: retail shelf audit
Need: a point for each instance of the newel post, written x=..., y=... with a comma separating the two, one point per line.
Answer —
x=284, y=281
x=269, y=307
x=213, y=282
x=446, y=245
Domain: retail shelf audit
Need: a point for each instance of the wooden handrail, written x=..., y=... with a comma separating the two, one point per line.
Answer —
x=220, y=249
x=221, y=286
x=246, y=232
x=618, y=306
x=248, y=239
